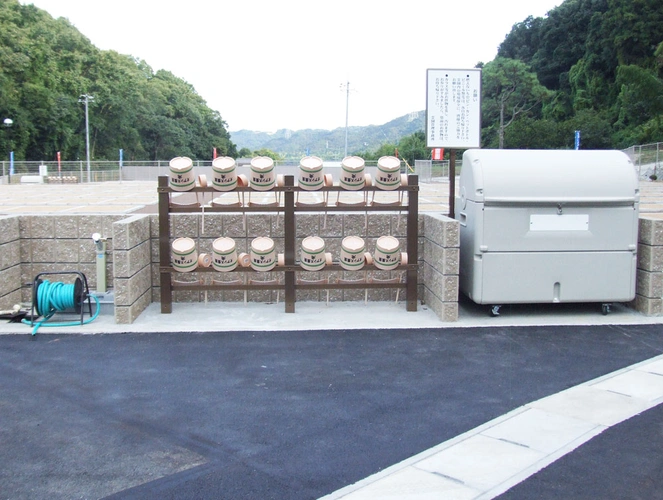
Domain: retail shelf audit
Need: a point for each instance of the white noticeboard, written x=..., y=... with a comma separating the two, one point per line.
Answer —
x=453, y=108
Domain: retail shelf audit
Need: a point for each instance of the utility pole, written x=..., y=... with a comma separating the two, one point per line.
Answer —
x=347, y=101
x=85, y=98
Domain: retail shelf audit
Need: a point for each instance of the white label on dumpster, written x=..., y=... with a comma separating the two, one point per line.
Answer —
x=562, y=222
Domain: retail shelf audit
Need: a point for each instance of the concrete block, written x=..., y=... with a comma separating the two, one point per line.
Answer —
x=331, y=225
x=9, y=229
x=354, y=224
x=66, y=226
x=211, y=226
x=308, y=225
x=233, y=226
x=647, y=306
x=130, y=232
x=125, y=315
x=259, y=225
x=434, y=228
x=445, y=287
x=66, y=250
x=446, y=311
x=25, y=226
x=451, y=233
x=10, y=254
x=650, y=257
x=128, y=290
x=651, y=229
x=649, y=284
x=184, y=225
x=128, y=262
x=87, y=225
x=43, y=226
x=10, y=280
x=43, y=250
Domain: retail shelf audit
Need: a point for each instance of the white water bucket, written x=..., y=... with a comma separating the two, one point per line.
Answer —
x=388, y=176
x=263, y=254
x=185, y=256
x=352, y=253
x=224, y=254
x=387, y=254
x=352, y=173
x=312, y=257
x=181, y=174
x=311, y=177
x=262, y=173
x=224, y=176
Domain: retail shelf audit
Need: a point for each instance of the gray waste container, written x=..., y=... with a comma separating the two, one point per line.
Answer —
x=547, y=226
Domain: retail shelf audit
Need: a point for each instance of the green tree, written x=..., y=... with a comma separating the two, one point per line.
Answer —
x=413, y=147
x=510, y=90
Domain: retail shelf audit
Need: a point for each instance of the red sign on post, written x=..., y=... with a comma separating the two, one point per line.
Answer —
x=438, y=154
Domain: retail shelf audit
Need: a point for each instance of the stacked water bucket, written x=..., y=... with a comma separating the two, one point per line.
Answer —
x=262, y=255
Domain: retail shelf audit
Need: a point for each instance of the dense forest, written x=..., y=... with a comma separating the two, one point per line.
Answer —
x=590, y=65
x=47, y=64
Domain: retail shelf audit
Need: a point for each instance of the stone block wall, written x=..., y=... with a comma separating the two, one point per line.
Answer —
x=131, y=267
x=649, y=280
x=10, y=262
x=441, y=264
x=56, y=243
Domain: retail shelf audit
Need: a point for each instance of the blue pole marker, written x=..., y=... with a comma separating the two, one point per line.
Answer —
x=577, y=145
x=121, y=157
x=11, y=163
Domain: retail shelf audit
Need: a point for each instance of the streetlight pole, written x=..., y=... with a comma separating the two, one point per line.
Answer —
x=85, y=98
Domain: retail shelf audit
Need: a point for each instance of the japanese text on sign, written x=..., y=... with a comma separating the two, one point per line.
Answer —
x=453, y=108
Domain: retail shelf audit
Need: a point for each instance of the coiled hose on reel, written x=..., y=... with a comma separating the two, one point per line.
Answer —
x=49, y=298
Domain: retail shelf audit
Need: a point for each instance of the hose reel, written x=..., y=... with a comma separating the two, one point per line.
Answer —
x=49, y=298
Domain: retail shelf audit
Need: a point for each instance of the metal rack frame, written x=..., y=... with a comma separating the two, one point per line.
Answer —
x=289, y=209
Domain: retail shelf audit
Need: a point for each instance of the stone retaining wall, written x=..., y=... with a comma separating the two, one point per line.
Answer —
x=649, y=281
x=32, y=244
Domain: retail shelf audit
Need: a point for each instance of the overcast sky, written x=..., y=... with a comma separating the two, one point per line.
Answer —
x=272, y=64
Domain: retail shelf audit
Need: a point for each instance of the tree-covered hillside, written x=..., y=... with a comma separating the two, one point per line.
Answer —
x=590, y=65
x=47, y=64
x=599, y=64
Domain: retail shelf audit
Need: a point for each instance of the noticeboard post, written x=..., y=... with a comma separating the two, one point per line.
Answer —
x=453, y=115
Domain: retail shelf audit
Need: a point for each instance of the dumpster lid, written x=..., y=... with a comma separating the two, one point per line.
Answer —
x=548, y=176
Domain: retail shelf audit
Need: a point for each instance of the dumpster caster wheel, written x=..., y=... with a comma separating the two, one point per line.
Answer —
x=605, y=309
x=495, y=310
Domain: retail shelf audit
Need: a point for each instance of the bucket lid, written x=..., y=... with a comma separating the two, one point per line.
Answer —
x=223, y=163
x=388, y=244
x=181, y=163
x=262, y=244
x=183, y=245
x=223, y=245
x=389, y=163
x=353, y=244
x=310, y=163
x=313, y=244
x=262, y=163
x=353, y=163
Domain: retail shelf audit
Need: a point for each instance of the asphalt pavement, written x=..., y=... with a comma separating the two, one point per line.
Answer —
x=300, y=414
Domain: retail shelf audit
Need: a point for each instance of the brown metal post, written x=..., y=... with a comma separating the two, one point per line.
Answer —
x=164, y=246
x=412, y=241
x=452, y=183
x=289, y=236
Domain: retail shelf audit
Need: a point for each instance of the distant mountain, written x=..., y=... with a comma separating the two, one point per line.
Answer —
x=330, y=144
